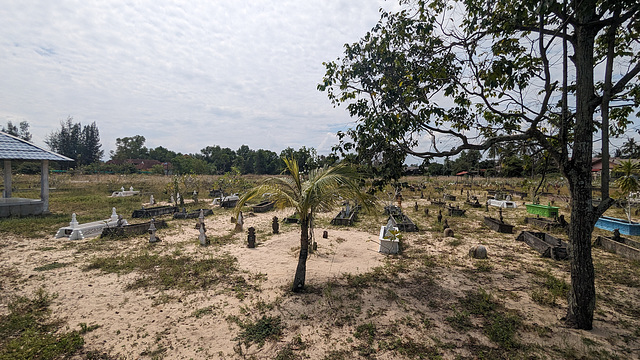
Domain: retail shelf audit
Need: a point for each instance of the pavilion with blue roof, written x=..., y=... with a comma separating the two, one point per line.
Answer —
x=13, y=148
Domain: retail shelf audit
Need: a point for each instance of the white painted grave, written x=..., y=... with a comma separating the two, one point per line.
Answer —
x=123, y=192
x=389, y=244
x=77, y=231
x=502, y=203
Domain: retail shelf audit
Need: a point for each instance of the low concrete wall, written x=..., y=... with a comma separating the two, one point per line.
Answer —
x=621, y=249
x=20, y=207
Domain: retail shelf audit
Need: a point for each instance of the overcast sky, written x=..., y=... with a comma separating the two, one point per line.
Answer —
x=183, y=74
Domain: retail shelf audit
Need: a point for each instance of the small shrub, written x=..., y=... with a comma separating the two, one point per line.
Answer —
x=266, y=328
x=460, y=320
x=484, y=266
x=365, y=332
x=501, y=329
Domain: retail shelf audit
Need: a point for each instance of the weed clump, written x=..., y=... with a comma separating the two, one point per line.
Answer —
x=27, y=332
x=265, y=328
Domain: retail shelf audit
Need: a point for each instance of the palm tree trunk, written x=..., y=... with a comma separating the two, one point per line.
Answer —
x=301, y=270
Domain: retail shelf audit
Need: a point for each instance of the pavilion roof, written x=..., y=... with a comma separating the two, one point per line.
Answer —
x=13, y=148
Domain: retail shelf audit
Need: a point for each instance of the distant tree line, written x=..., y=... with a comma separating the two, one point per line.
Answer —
x=82, y=143
x=214, y=159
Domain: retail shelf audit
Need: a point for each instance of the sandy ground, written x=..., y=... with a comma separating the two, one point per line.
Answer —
x=153, y=322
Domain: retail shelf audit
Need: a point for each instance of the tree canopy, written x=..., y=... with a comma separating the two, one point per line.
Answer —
x=21, y=130
x=77, y=142
x=440, y=77
x=320, y=190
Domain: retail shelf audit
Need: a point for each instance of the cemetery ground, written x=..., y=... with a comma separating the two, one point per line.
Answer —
x=127, y=299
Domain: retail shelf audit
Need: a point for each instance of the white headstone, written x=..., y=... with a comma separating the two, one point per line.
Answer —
x=122, y=188
x=172, y=199
x=131, y=188
x=151, y=200
x=152, y=232
x=114, y=216
x=388, y=228
x=203, y=237
x=73, y=222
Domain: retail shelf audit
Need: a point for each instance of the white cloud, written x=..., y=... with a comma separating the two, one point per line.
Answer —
x=183, y=74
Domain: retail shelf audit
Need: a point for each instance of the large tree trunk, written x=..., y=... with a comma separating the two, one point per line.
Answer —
x=301, y=270
x=582, y=297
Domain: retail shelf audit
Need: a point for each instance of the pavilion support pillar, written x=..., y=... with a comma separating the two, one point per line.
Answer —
x=44, y=186
x=7, y=179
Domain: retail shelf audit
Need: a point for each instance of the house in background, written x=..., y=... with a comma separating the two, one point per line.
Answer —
x=596, y=163
x=13, y=148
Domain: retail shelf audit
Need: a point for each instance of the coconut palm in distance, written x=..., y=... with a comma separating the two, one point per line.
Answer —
x=628, y=182
x=321, y=190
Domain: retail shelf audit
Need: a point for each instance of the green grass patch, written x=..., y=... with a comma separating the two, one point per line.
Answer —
x=501, y=328
x=168, y=272
x=551, y=288
x=484, y=266
x=51, y=266
x=258, y=332
x=460, y=320
x=500, y=324
x=412, y=349
x=198, y=313
x=366, y=332
x=28, y=332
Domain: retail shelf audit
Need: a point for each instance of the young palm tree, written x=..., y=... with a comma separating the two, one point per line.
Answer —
x=322, y=190
x=628, y=182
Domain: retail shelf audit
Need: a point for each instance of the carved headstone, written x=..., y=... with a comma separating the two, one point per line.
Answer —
x=421, y=194
x=239, y=222
x=500, y=212
x=325, y=234
x=151, y=200
x=122, y=189
x=439, y=216
x=446, y=224
x=130, y=188
x=426, y=211
x=114, y=216
x=478, y=252
x=275, y=225
x=202, y=237
x=251, y=238
x=74, y=221
x=415, y=206
x=152, y=232
x=448, y=232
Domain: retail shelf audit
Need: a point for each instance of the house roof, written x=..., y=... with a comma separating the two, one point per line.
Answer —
x=13, y=148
